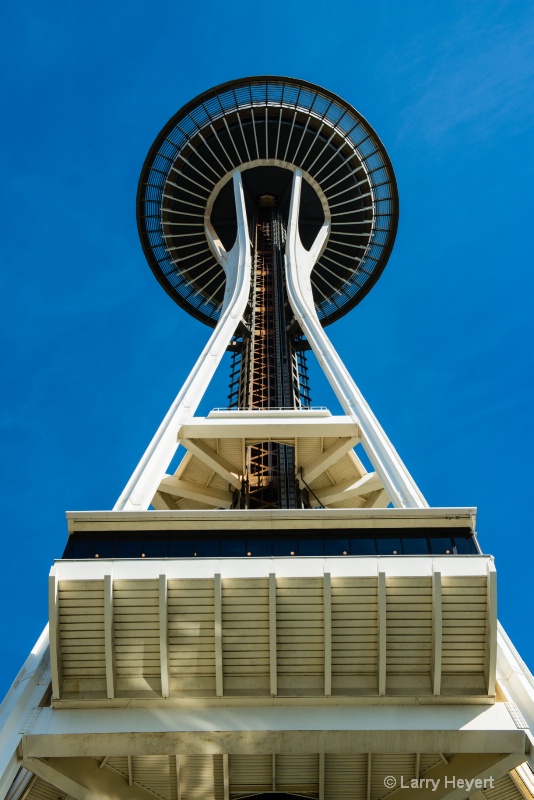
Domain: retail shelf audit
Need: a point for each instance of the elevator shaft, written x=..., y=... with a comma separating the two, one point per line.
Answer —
x=268, y=368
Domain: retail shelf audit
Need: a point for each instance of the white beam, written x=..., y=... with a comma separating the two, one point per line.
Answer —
x=64, y=783
x=273, y=667
x=321, y=776
x=143, y=484
x=437, y=632
x=381, y=633
x=226, y=776
x=55, y=647
x=491, y=630
x=82, y=779
x=108, y=635
x=217, y=591
x=376, y=500
x=400, y=728
x=333, y=453
x=195, y=491
x=214, y=460
x=402, y=489
x=340, y=491
x=327, y=610
x=456, y=778
x=263, y=426
x=178, y=779
x=163, y=635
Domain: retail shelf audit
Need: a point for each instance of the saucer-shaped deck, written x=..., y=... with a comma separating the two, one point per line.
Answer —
x=267, y=127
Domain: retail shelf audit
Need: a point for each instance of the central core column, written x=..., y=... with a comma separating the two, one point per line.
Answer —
x=270, y=371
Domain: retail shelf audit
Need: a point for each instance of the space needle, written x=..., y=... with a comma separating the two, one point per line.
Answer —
x=271, y=609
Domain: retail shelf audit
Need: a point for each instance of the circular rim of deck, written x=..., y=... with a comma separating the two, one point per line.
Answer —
x=171, y=208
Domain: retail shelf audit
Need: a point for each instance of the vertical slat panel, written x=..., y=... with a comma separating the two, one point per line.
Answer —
x=491, y=629
x=163, y=635
x=55, y=650
x=108, y=636
x=217, y=590
x=381, y=633
x=272, y=635
x=327, y=604
x=437, y=632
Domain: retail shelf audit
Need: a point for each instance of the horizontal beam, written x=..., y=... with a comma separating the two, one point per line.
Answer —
x=267, y=428
x=101, y=521
x=214, y=460
x=457, y=779
x=82, y=779
x=177, y=487
x=323, y=461
x=378, y=729
x=341, y=491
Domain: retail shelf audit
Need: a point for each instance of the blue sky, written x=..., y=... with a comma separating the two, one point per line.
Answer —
x=94, y=351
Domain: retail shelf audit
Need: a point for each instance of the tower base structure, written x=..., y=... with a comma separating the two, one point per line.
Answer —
x=329, y=648
x=303, y=671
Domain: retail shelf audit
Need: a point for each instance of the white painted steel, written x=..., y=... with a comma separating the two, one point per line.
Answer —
x=145, y=479
x=399, y=484
x=20, y=706
x=377, y=729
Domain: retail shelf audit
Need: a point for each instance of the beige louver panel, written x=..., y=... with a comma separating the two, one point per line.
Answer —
x=358, y=635
x=464, y=633
x=300, y=636
x=382, y=766
x=191, y=617
x=503, y=789
x=40, y=790
x=197, y=777
x=345, y=777
x=156, y=773
x=354, y=635
x=409, y=631
x=250, y=774
x=245, y=637
x=81, y=621
x=136, y=629
x=297, y=774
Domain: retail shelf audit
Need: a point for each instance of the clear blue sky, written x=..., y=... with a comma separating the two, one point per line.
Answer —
x=94, y=351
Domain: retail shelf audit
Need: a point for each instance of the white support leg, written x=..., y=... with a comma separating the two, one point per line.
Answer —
x=399, y=484
x=144, y=482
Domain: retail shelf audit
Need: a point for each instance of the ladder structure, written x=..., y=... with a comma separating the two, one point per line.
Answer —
x=271, y=619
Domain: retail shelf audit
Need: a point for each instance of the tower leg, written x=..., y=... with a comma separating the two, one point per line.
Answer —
x=145, y=480
x=399, y=484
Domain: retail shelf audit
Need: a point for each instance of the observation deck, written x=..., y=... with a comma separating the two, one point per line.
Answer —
x=267, y=127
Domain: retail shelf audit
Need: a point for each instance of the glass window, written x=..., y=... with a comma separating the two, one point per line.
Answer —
x=441, y=545
x=285, y=547
x=415, y=546
x=233, y=548
x=155, y=548
x=311, y=547
x=206, y=548
x=465, y=545
x=260, y=548
x=103, y=548
x=129, y=548
x=180, y=548
x=389, y=547
x=336, y=547
x=363, y=547
x=78, y=548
